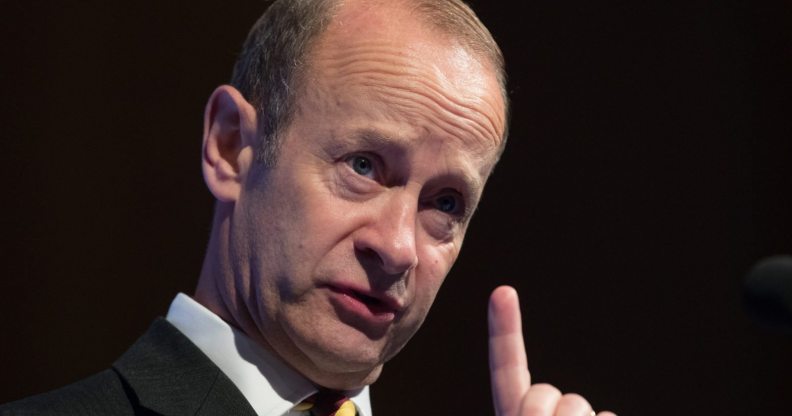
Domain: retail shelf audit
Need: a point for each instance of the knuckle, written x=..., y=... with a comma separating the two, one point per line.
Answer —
x=540, y=400
x=573, y=401
x=536, y=408
x=547, y=389
x=574, y=398
x=533, y=411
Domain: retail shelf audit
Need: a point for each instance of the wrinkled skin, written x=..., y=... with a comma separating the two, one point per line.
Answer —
x=396, y=132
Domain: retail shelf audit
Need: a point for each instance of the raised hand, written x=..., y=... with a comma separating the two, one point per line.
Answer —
x=512, y=392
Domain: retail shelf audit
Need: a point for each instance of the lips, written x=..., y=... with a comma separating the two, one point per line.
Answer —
x=376, y=308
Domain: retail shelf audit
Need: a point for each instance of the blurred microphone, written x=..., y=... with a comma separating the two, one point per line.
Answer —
x=767, y=292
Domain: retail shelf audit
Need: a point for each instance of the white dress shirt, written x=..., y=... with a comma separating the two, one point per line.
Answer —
x=271, y=387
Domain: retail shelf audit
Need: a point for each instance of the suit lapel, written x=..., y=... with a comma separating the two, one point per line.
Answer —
x=171, y=376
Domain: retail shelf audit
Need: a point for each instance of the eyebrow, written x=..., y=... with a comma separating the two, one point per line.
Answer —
x=378, y=140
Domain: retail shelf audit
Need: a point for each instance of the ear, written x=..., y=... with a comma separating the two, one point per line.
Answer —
x=230, y=131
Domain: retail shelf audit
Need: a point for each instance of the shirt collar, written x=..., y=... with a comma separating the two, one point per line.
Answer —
x=270, y=386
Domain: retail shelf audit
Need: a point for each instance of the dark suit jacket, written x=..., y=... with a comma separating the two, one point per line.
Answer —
x=163, y=373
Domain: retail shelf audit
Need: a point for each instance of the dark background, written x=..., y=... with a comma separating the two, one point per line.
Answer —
x=648, y=168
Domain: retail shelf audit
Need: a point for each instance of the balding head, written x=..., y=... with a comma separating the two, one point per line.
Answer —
x=270, y=69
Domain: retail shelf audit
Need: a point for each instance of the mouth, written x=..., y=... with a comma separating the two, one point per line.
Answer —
x=376, y=305
x=372, y=306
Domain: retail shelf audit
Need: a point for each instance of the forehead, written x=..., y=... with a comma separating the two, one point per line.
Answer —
x=382, y=53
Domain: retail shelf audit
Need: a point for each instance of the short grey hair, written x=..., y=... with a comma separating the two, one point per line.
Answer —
x=270, y=69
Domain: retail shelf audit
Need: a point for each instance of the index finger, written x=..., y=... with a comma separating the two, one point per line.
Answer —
x=508, y=364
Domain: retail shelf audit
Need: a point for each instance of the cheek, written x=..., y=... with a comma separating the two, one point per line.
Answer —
x=303, y=213
x=434, y=264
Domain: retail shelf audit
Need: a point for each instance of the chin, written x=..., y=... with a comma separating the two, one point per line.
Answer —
x=347, y=356
x=346, y=381
x=344, y=360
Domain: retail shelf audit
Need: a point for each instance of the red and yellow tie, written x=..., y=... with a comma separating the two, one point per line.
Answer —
x=327, y=403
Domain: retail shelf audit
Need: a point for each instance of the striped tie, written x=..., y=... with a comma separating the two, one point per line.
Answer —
x=327, y=403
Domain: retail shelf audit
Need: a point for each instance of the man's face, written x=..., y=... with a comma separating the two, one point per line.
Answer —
x=340, y=249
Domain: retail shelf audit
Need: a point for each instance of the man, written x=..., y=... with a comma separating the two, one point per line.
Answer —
x=347, y=160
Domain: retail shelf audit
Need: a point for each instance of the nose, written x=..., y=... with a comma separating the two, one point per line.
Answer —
x=389, y=237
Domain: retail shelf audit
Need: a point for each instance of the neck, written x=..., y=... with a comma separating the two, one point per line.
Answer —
x=216, y=290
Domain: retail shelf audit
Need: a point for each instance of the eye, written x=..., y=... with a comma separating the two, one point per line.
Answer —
x=361, y=165
x=445, y=213
x=451, y=204
x=447, y=203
